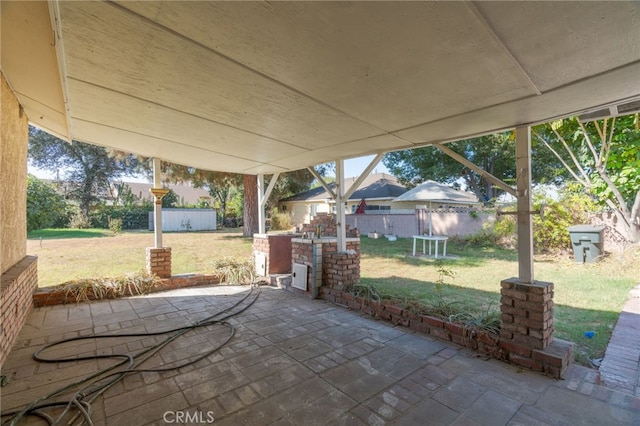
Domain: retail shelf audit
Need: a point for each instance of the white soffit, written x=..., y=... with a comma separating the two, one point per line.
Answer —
x=29, y=62
x=260, y=87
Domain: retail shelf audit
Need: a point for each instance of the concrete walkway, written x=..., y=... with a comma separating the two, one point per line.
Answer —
x=295, y=361
x=620, y=368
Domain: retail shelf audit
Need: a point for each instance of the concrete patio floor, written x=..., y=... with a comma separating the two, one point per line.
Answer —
x=294, y=361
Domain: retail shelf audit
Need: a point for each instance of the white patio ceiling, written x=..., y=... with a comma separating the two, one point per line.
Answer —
x=256, y=87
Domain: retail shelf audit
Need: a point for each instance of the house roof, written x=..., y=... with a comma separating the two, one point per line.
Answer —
x=431, y=191
x=263, y=87
x=379, y=186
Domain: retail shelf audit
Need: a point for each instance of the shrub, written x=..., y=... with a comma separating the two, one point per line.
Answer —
x=235, y=270
x=281, y=222
x=115, y=225
x=551, y=230
x=499, y=232
x=83, y=290
x=45, y=207
x=132, y=217
x=79, y=221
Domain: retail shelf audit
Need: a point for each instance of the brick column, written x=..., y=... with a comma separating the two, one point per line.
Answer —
x=527, y=313
x=159, y=261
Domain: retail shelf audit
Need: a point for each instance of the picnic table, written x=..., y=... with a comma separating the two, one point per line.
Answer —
x=431, y=239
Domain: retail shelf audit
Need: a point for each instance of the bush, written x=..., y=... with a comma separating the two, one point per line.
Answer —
x=115, y=225
x=79, y=221
x=45, y=207
x=500, y=232
x=281, y=222
x=235, y=270
x=551, y=230
x=132, y=217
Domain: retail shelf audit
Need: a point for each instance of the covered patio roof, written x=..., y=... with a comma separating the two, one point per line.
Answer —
x=259, y=88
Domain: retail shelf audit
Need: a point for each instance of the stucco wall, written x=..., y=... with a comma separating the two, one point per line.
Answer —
x=13, y=175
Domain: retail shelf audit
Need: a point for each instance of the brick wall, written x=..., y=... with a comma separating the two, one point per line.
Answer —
x=16, y=292
x=159, y=261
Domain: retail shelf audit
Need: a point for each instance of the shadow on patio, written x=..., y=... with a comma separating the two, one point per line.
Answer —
x=291, y=361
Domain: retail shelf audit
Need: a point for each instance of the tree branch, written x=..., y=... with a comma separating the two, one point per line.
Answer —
x=573, y=157
x=597, y=160
x=586, y=183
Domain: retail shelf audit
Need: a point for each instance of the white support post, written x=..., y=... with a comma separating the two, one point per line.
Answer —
x=157, y=207
x=261, y=217
x=523, y=193
x=340, y=215
x=263, y=196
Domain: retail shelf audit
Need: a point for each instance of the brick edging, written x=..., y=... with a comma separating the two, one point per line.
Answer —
x=49, y=296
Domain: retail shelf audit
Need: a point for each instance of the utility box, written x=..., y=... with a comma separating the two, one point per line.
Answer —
x=587, y=242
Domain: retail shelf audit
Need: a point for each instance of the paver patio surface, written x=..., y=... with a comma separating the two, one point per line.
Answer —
x=293, y=361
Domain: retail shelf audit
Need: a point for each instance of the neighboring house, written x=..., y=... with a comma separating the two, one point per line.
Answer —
x=377, y=190
x=186, y=194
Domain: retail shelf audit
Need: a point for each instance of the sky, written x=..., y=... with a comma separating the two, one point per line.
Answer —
x=352, y=167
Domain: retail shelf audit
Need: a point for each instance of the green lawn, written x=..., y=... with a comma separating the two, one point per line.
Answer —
x=48, y=234
x=64, y=259
x=587, y=297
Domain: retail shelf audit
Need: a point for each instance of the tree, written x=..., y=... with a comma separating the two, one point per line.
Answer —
x=250, y=218
x=46, y=208
x=493, y=153
x=170, y=200
x=604, y=157
x=88, y=169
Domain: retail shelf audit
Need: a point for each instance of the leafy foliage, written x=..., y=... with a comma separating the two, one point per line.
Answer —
x=131, y=217
x=86, y=289
x=280, y=221
x=551, y=230
x=604, y=157
x=235, y=270
x=88, y=169
x=46, y=208
x=170, y=200
x=493, y=153
x=115, y=226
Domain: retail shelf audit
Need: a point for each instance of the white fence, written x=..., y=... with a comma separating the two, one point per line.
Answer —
x=186, y=220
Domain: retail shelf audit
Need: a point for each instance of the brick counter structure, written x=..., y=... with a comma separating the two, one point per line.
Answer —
x=17, y=286
x=326, y=267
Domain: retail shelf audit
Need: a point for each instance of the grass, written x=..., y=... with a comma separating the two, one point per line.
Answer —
x=65, y=259
x=587, y=297
x=48, y=234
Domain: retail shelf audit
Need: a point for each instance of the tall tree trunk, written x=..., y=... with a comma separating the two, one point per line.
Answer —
x=250, y=184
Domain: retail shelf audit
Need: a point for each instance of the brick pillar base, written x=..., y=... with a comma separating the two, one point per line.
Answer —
x=159, y=261
x=527, y=313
